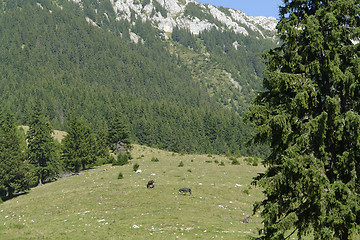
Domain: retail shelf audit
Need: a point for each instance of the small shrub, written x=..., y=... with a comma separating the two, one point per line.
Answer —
x=208, y=161
x=136, y=167
x=100, y=161
x=181, y=164
x=255, y=162
x=235, y=162
x=246, y=191
x=122, y=159
x=209, y=155
x=222, y=163
x=189, y=170
x=247, y=160
x=106, y=160
x=154, y=159
x=216, y=161
x=251, y=161
x=120, y=176
x=192, y=160
x=142, y=155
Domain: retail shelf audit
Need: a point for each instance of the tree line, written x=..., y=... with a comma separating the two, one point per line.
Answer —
x=34, y=157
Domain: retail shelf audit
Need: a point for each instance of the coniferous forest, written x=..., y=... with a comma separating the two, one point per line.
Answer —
x=52, y=57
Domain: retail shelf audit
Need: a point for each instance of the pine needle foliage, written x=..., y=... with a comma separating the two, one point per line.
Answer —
x=14, y=176
x=136, y=167
x=309, y=113
x=79, y=148
x=41, y=146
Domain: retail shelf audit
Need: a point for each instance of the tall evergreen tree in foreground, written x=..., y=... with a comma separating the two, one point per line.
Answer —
x=309, y=113
x=41, y=146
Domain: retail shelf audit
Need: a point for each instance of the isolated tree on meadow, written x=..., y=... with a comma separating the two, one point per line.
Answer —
x=309, y=113
x=41, y=146
x=79, y=147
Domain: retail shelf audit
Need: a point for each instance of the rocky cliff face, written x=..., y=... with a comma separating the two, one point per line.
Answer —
x=190, y=14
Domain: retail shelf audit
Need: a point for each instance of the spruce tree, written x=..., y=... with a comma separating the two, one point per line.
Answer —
x=14, y=175
x=41, y=146
x=102, y=144
x=79, y=147
x=309, y=114
x=119, y=136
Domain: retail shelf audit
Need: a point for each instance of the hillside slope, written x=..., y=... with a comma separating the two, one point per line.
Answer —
x=221, y=39
x=177, y=91
x=97, y=205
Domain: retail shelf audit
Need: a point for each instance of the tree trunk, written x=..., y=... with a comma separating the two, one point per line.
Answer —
x=40, y=183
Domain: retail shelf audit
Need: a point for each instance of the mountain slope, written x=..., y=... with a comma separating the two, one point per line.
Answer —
x=81, y=58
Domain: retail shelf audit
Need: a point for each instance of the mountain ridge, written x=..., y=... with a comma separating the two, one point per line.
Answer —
x=177, y=15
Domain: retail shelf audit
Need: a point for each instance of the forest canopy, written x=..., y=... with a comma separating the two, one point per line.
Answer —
x=52, y=57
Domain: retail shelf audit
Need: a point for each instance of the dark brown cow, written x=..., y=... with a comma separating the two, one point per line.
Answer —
x=185, y=190
x=150, y=184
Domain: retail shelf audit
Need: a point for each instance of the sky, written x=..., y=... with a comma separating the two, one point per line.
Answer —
x=267, y=8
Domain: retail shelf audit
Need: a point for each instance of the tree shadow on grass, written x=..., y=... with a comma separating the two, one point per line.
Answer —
x=6, y=198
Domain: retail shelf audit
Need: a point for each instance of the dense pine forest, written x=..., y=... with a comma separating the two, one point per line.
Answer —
x=50, y=56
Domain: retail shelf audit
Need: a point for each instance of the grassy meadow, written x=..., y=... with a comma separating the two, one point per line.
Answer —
x=97, y=205
x=58, y=135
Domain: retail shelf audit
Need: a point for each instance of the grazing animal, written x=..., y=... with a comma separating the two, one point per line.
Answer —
x=246, y=219
x=185, y=190
x=150, y=184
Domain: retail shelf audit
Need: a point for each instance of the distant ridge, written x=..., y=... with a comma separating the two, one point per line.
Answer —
x=192, y=15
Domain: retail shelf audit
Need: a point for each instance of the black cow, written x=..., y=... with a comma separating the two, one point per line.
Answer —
x=150, y=184
x=185, y=190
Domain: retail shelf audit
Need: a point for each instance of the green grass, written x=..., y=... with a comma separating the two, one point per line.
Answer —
x=97, y=205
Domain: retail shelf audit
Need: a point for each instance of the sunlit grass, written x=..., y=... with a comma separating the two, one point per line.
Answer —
x=97, y=205
x=58, y=135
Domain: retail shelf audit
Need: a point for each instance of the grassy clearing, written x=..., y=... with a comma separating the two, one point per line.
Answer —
x=97, y=205
x=58, y=135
